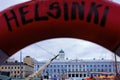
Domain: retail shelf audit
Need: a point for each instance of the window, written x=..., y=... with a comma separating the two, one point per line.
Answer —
x=65, y=65
x=105, y=65
x=98, y=70
x=76, y=65
x=102, y=70
x=51, y=66
x=58, y=70
x=102, y=65
x=73, y=66
x=87, y=65
x=73, y=75
x=80, y=75
x=69, y=65
x=54, y=70
x=38, y=66
x=69, y=70
x=69, y=75
x=90, y=65
x=83, y=65
x=76, y=75
x=84, y=75
x=109, y=70
x=98, y=65
x=65, y=70
x=80, y=66
x=43, y=71
x=94, y=65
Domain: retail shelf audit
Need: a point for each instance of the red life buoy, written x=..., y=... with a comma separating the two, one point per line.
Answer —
x=94, y=20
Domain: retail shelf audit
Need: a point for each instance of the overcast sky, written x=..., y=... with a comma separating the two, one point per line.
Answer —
x=73, y=48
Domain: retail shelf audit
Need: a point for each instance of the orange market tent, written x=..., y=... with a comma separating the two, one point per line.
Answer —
x=102, y=76
x=111, y=77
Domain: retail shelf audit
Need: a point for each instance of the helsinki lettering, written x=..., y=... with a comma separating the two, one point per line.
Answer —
x=76, y=9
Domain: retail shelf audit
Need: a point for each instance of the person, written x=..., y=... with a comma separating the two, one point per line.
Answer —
x=54, y=78
x=94, y=78
x=88, y=78
x=91, y=78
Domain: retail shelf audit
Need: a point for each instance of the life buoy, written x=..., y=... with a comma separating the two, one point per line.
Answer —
x=94, y=20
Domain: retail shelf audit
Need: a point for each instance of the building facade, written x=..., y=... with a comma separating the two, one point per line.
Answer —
x=28, y=60
x=78, y=69
x=16, y=69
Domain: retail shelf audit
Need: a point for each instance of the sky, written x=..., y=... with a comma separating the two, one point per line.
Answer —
x=73, y=48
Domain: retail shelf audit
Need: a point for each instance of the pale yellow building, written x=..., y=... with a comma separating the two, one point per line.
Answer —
x=28, y=60
x=18, y=69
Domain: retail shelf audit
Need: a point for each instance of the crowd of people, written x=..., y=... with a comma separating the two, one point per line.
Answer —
x=102, y=77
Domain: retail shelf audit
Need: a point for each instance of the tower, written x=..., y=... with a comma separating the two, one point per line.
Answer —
x=61, y=55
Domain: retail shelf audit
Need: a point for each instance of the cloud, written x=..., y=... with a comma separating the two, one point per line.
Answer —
x=73, y=48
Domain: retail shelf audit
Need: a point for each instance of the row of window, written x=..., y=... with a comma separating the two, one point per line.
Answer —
x=8, y=67
x=16, y=75
x=17, y=72
x=76, y=70
x=77, y=75
x=76, y=66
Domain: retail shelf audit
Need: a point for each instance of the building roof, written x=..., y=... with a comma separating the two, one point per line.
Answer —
x=15, y=63
x=77, y=60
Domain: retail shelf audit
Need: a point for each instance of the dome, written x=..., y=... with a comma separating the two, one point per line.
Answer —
x=61, y=51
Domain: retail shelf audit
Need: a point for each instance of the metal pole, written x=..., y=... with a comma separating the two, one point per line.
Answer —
x=20, y=64
x=116, y=65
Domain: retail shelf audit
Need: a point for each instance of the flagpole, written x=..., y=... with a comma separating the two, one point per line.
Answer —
x=116, y=67
x=20, y=64
x=117, y=77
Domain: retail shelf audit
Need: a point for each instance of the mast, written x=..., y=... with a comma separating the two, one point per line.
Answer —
x=116, y=67
x=117, y=77
x=20, y=64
